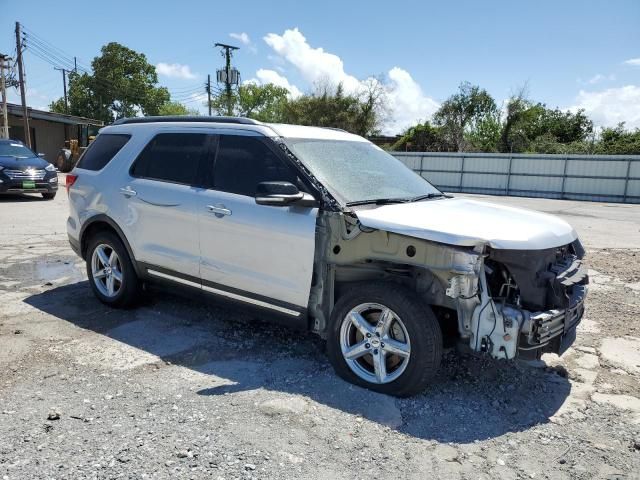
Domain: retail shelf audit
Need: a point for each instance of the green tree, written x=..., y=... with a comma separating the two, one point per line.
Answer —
x=360, y=113
x=176, y=108
x=532, y=127
x=260, y=102
x=123, y=84
x=618, y=141
x=462, y=115
x=423, y=137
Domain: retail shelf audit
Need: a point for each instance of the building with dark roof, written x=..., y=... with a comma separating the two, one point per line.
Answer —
x=49, y=130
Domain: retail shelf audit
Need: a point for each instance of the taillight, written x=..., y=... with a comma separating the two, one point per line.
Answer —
x=71, y=179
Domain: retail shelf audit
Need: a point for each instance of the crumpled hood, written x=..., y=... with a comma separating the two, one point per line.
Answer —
x=463, y=222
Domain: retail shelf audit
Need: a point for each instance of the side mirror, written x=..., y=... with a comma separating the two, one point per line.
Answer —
x=41, y=155
x=280, y=194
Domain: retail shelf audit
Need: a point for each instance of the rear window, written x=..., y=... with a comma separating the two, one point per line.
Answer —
x=172, y=157
x=102, y=150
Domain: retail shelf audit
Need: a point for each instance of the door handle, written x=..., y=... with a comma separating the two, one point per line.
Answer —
x=219, y=210
x=128, y=192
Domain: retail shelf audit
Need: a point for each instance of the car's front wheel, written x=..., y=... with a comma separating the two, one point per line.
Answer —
x=383, y=337
x=110, y=271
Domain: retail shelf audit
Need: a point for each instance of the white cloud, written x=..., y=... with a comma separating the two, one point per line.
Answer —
x=242, y=37
x=245, y=40
x=314, y=64
x=634, y=62
x=611, y=106
x=175, y=70
x=271, y=76
x=406, y=100
x=599, y=78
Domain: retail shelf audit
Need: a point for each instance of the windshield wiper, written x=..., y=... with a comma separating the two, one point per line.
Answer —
x=377, y=201
x=429, y=196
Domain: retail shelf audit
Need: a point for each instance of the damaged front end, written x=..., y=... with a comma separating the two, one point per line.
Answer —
x=529, y=302
x=506, y=303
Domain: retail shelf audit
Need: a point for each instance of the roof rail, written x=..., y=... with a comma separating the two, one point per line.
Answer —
x=186, y=118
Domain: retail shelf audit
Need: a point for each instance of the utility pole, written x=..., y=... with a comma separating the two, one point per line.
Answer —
x=4, y=65
x=75, y=65
x=209, y=93
x=64, y=86
x=23, y=95
x=229, y=75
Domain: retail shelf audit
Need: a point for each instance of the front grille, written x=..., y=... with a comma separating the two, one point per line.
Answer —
x=28, y=174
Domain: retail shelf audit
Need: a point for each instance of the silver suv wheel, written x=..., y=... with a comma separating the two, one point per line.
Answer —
x=106, y=270
x=375, y=343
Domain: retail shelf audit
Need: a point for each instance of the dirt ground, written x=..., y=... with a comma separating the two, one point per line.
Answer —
x=183, y=389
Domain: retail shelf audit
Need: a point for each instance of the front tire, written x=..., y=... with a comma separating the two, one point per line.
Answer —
x=49, y=196
x=110, y=271
x=383, y=337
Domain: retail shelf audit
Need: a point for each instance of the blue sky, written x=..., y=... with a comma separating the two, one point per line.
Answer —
x=570, y=53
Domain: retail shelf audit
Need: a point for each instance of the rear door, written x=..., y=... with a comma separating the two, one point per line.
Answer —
x=256, y=253
x=160, y=193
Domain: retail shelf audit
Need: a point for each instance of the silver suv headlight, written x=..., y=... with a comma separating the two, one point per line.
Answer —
x=50, y=168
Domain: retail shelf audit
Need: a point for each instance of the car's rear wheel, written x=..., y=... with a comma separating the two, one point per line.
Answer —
x=383, y=337
x=110, y=271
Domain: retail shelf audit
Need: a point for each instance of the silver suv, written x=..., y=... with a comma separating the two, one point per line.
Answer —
x=327, y=230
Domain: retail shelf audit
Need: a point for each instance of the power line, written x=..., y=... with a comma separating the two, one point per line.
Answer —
x=61, y=60
x=45, y=54
x=51, y=46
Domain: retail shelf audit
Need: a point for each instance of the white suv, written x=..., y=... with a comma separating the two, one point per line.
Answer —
x=325, y=229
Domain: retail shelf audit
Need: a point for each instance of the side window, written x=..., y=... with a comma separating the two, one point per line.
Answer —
x=102, y=150
x=242, y=162
x=172, y=157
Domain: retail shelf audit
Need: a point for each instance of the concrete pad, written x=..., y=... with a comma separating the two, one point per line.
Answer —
x=622, y=352
x=588, y=361
x=594, y=221
x=622, y=402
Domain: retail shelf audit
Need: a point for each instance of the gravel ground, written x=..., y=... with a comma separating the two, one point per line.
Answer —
x=183, y=389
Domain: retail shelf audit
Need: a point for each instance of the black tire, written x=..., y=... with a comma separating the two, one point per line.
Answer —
x=49, y=195
x=421, y=326
x=64, y=161
x=129, y=290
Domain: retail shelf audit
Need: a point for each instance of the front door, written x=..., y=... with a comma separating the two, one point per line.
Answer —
x=254, y=253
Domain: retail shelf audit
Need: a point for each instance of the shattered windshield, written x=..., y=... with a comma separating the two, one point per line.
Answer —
x=360, y=172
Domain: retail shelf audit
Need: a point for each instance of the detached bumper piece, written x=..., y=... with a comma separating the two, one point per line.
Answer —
x=553, y=331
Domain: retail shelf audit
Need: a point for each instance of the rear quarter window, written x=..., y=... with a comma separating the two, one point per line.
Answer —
x=102, y=150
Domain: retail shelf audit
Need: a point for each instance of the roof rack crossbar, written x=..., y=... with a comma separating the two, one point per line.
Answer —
x=187, y=118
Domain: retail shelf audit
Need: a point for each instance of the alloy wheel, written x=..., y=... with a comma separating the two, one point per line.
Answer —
x=375, y=343
x=106, y=270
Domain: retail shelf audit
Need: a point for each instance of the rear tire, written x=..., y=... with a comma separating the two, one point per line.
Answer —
x=110, y=271
x=49, y=196
x=411, y=356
